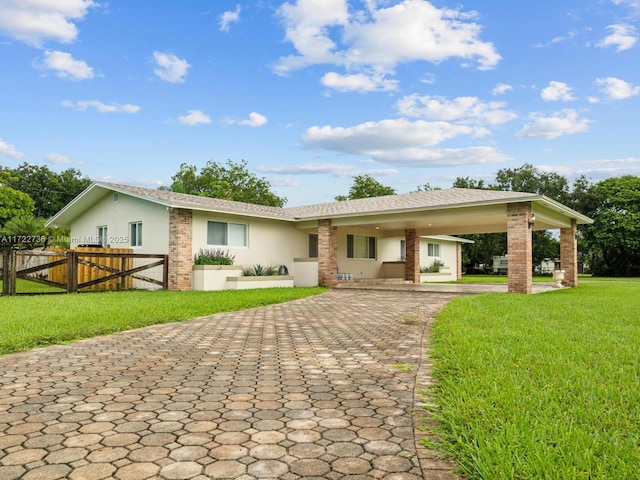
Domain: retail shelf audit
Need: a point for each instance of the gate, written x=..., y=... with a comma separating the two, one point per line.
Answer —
x=81, y=270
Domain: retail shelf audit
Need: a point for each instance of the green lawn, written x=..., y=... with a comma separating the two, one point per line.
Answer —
x=541, y=386
x=34, y=321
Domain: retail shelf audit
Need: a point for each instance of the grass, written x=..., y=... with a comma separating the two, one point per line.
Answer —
x=542, y=386
x=35, y=321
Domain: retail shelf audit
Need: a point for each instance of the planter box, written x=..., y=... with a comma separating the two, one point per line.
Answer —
x=214, y=277
x=245, y=283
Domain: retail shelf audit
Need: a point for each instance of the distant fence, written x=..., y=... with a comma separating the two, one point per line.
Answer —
x=82, y=269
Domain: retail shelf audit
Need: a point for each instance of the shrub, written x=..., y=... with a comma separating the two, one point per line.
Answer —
x=434, y=268
x=259, y=271
x=210, y=256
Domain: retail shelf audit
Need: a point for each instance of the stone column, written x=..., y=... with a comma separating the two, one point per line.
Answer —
x=459, y=260
x=569, y=254
x=327, y=254
x=412, y=260
x=519, y=248
x=180, y=249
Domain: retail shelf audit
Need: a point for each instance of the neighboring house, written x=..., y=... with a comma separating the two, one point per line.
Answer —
x=317, y=242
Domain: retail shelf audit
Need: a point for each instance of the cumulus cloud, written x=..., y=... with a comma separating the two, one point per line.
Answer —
x=360, y=82
x=557, y=91
x=402, y=142
x=617, y=89
x=502, y=88
x=57, y=159
x=565, y=122
x=101, y=107
x=333, y=169
x=468, y=110
x=255, y=120
x=8, y=150
x=623, y=37
x=194, y=117
x=227, y=18
x=34, y=22
x=170, y=68
x=379, y=38
x=65, y=66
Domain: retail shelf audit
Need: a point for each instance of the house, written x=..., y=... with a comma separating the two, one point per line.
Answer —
x=317, y=242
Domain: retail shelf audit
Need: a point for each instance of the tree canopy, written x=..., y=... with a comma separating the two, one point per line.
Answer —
x=13, y=203
x=231, y=182
x=365, y=186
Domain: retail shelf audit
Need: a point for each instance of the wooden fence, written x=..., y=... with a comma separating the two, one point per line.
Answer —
x=83, y=269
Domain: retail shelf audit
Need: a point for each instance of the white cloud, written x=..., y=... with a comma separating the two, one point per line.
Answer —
x=502, y=88
x=557, y=91
x=633, y=4
x=65, y=66
x=623, y=37
x=170, y=68
x=616, y=88
x=334, y=169
x=402, y=141
x=101, y=107
x=57, y=159
x=8, y=150
x=255, y=120
x=378, y=39
x=464, y=109
x=565, y=122
x=227, y=18
x=36, y=21
x=358, y=82
x=194, y=117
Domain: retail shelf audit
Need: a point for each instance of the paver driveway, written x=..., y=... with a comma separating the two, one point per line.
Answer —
x=321, y=387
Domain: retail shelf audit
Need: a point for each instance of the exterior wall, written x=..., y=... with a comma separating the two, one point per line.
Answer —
x=269, y=243
x=305, y=272
x=358, y=267
x=116, y=216
x=569, y=255
x=519, y=248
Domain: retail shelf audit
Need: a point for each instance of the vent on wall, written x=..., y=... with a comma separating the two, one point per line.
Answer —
x=116, y=198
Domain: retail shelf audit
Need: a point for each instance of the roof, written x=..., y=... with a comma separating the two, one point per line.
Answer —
x=403, y=203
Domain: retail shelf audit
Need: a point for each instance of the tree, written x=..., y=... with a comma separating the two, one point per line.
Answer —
x=25, y=231
x=528, y=178
x=49, y=191
x=467, y=182
x=231, y=182
x=13, y=203
x=613, y=240
x=365, y=186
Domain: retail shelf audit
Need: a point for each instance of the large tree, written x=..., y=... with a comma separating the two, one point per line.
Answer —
x=49, y=190
x=613, y=240
x=230, y=182
x=13, y=203
x=365, y=186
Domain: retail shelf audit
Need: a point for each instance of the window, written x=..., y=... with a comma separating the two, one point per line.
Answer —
x=313, y=245
x=227, y=234
x=102, y=236
x=403, y=249
x=361, y=246
x=433, y=249
x=135, y=237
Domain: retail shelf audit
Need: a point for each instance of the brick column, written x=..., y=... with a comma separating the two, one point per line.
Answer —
x=459, y=260
x=519, y=247
x=327, y=254
x=569, y=254
x=180, y=249
x=412, y=261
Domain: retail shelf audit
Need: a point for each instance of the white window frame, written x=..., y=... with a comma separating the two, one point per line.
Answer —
x=227, y=235
x=135, y=237
x=101, y=235
x=352, y=250
x=433, y=249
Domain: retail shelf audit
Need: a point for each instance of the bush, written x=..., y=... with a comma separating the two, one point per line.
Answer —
x=434, y=268
x=210, y=256
x=259, y=271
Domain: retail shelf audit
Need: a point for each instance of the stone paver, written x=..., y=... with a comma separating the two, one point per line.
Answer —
x=323, y=387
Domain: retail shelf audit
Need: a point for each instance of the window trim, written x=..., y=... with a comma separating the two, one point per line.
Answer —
x=372, y=247
x=433, y=249
x=227, y=223
x=102, y=239
x=135, y=238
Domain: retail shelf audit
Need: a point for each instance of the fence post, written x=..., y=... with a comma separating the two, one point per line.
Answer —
x=12, y=272
x=165, y=272
x=72, y=272
x=5, y=271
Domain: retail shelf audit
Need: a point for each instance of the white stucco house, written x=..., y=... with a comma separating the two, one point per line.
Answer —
x=380, y=237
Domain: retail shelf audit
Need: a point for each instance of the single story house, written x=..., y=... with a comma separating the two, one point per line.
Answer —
x=317, y=242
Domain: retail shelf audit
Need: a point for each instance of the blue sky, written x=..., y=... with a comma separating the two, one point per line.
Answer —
x=313, y=92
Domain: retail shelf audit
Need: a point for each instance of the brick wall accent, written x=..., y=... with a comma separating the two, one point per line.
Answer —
x=327, y=254
x=459, y=260
x=180, y=249
x=519, y=247
x=412, y=261
x=569, y=254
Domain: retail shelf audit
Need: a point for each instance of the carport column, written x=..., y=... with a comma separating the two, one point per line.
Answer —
x=569, y=254
x=327, y=254
x=459, y=260
x=519, y=247
x=412, y=260
x=180, y=249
